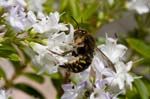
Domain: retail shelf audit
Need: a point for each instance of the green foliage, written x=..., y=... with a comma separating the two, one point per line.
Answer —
x=2, y=74
x=132, y=93
x=29, y=90
x=6, y=50
x=57, y=81
x=140, y=47
x=87, y=12
x=14, y=57
x=34, y=77
x=141, y=87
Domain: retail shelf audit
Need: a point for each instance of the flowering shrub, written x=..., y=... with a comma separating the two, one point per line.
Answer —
x=31, y=35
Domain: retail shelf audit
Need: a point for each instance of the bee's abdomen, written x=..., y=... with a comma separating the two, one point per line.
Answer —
x=79, y=64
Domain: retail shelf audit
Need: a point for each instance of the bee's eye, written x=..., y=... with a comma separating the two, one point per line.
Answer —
x=83, y=32
x=80, y=31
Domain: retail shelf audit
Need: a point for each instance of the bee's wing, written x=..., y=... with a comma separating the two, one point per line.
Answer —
x=105, y=59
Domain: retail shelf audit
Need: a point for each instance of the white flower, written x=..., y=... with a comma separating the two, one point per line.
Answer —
x=19, y=19
x=10, y=3
x=121, y=77
x=49, y=24
x=99, y=94
x=141, y=6
x=3, y=94
x=115, y=53
x=98, y=65
x=112, y=50
x=57, y=43
x=44, y=59
x=35, y=5
x=77, y=91
x=31, y=17
x=99, y=91
x=100, y=68
x=72, y=91
x=81, y=76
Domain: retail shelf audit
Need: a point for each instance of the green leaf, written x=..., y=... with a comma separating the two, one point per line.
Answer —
x=17, y=66
x=7, y=48
x=141, y=87
x=57, y=81
x=58, y=84
x=89, y=11
x=14, y=57
x=2, y=74
x=74, y=7
x=55, y=76
x=63, y=4
x=34, y=77
x=29, y=90
x=147, y=83
x=140, y=47
x=5, y=51
x=131, y=94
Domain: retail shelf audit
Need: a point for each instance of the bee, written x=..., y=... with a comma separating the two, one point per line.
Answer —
x=84, y=50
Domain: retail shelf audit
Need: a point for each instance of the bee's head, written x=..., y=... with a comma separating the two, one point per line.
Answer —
x=79, y=33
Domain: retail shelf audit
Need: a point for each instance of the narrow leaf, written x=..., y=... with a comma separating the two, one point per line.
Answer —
x=141, y=88
x=140, y=47
x=2, y=74
x=14, y=57
x=63, y=4
x=5, y=51
x=146, y=82
x=34, y=77
x=73, y=7
x=29, y=90
x=7, y=48
x=17, y=66
x=89, y=11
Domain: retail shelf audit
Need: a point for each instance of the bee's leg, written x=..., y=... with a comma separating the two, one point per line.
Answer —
x=74, y=53
x=67, y=52
x=61, y=54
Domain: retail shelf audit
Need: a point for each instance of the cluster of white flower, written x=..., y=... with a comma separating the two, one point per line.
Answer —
x=59, y=43
x=22, y=19
x=107, y=84
x=34, y=5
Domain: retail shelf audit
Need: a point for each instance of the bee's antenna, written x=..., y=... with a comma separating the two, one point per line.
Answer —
x=75, y=21
x=81, y=20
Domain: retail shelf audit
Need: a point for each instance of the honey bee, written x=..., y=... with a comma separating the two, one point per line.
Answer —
x=85, y=48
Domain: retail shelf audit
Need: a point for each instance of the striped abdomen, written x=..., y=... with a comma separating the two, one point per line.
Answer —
x=79, y=64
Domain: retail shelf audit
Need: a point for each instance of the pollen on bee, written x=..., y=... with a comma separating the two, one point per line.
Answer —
x=80, y=66
x=83, y=61
x=75, y=69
